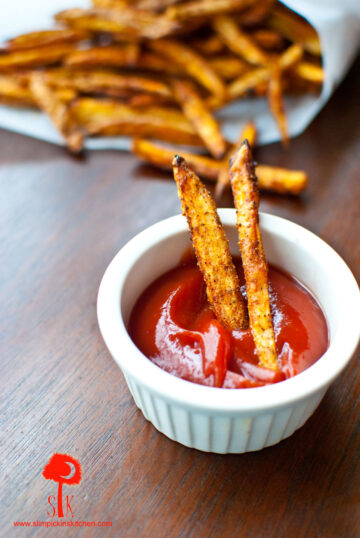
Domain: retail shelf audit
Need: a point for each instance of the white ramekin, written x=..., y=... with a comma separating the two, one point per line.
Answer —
x=229, y=420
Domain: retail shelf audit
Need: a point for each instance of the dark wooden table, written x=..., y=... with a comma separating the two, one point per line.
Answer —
x=62, y=220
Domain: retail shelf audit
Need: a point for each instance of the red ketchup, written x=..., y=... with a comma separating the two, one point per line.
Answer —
x=174, y=326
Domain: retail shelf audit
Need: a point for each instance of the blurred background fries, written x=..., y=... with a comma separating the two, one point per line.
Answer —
x=159, y=70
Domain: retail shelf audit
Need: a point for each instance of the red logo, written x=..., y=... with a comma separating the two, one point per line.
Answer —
x=63, y=469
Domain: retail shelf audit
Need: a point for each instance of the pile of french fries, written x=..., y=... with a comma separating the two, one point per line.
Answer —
x=159, y=69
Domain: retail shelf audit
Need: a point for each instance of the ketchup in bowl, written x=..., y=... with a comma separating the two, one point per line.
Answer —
x=174, y=326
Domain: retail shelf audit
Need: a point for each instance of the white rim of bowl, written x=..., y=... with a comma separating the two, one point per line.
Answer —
x=131, y=360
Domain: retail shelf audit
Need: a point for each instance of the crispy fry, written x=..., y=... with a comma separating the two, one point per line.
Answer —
x=36, y=57
x=162, y=157
x=246, y=201
x=259, y=75
x=197, y=113
x=155, y=5
x=281, y=180
x=256, y=14
x=99, y=80
x=198, y=9
x=309, y=71
x=145, y=100
x=268, y=39
x=209, y=45
x=109, y=117
x=270, y=178
x=58, y=112
x=248, y=81
x=211, y=248
x=275, y=96
x=14, y=90
x=194, y=64
x=228, y=67
x=111, y=56
x=237, y=41
x=294, y=28
x=46, y=38
x=130, y=23
x=248, y=133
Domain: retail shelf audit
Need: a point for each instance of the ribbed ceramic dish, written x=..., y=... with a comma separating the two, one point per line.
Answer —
x=229, y=420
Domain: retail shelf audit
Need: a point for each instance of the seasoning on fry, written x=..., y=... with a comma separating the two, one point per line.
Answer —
x=211, y=248
x=58, y=111
x=198, y=114
x=246, y=200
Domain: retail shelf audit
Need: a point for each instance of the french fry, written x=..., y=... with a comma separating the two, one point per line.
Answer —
x=268, y=39
x=194, y=64
x=199, y=9
x=14, y=90
x=275, y=96
x=248, y=133
x=130, y=23
x=259, y=75
x=203, y=121
x=281, y=180
x=310, y=72
x=248, y=81
x=46, y=38
x=238, y=41
x=58, y=112
x=211, y=248
x=255, y=14
x=109, y=117
x=97, y=81
x=111, y=56
x=228, y=67
x=270, y=178
x=155, y=5
x=36, y=57
x=295, y=29
x=209, y=45
x=243, y=182
x=162, y=157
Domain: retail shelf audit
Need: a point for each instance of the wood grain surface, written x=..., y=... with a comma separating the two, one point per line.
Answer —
x=62, y=221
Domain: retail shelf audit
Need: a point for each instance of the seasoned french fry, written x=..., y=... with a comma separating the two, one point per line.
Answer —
x=88, y=20
x=162, y=157
x=155, y=5
x=268, y=39
x=201, y=118
x=255, y=14
x=99, y=80
x=111, y=56
x=36, y=57
x=228, y=67
x=275, y=96
x=259, y=75
x=238, y=41
x=248, y=81
x=309, y=71
x=209, y=45
x=211, y=248
x=58, y=112
x=281, y=180
x=14, y=90
x=198, y=9
x=248, y=133
x=194, y=64
x=288, y=24
x=130, y=23
x=109, y=117
x=270, y=178
x=46, y=38
x=243, y=182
